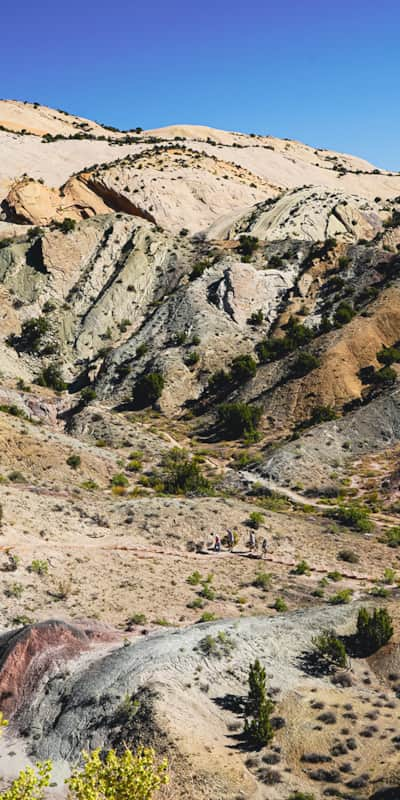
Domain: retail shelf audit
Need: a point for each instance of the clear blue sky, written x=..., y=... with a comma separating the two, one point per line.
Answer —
x=324, y=72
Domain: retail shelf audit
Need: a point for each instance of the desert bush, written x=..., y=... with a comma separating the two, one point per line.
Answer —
x=149, y=388
x=74, y=461
x=192, y=358
x=243, y=368
x=335, y=576
x=66, y=225
x=119, y=479
x=30, y=784
x=259, y=707
x=181, y=474
x=87, y=395
x=304, y=363
x=51, y=377
x=274, y=348
x=256, y=518
x=239, y=419
x=32, y=332
x=137, y=619
x=342, y=597
x=353, y=516
x=373, y=630
x=280, y=605
x=38, y=566
x=262, y=580
x=256, y=318
x=344, y=313
x=330, y=648
x=116, y=776
x=302, y=568
x=208, y=616
x=247, y=245
x=348, y=555
x=385, y=376
x=194, y=579
x=388, y=356
x=392, y=537
x=220, y=645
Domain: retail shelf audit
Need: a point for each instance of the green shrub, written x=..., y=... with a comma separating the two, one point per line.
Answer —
x=137, y=619
x=373, y=630
x=181, y=474
x=74, y=461
x=301, y=796
x=219, y=381
x=280, y=605
x=119, y=479
x=220, y=645
x=66, y=225
x=341, y=598
x=302, y=568
x=344, y=313
x=192, y=358
x=335, y=576
x=194, y=579
x=274, y=348
x=239, y=419
x=385, y=376
x=13, y=410
x=388, y=356
x=256, y=318
x=198, y=268
x=247, y=244
x=141, y=350
x=243, y=368
x=149, y=388
x=208, y=616
x=258, y=727
x=32, y=332
x=128, y=775
x=51, y=377
x=322, y=414
x=263, y=580
x=256, y=518
x=87, y=395
x=304, y=363
x=348, y=555
x=353, y=516
x=330, y=648
x=40, y=567
x=392, y=536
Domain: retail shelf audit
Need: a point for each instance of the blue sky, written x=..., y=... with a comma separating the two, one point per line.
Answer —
x=322, y=72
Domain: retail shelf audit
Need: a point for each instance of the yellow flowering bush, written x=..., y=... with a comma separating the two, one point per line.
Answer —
x=127, y=777
x=30, y=784
x=118, y=777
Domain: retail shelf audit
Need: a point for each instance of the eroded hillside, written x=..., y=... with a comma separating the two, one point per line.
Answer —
x=200, y=334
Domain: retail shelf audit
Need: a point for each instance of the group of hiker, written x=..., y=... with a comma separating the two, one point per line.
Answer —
x=232, y=538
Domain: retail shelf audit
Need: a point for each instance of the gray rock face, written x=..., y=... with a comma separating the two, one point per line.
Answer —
x=326, y=448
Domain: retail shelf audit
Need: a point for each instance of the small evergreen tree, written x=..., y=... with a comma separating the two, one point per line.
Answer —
x=258, y=727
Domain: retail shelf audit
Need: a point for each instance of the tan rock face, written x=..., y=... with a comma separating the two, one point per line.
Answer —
x=31, y=202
